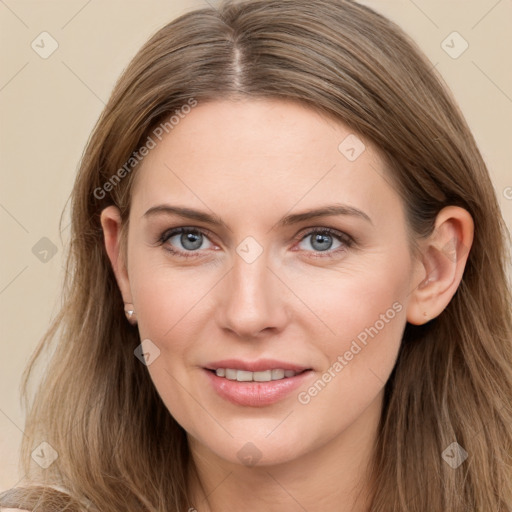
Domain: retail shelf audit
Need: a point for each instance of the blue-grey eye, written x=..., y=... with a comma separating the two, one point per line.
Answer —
x=321, y=241
x=190, y=240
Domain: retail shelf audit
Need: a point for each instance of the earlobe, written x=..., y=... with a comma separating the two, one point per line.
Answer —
x=443, y=260
x=111, y=224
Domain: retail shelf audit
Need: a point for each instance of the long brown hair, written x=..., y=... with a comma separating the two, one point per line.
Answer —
x=118, y=446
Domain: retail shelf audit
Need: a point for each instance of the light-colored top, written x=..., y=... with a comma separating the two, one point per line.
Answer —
x=57, y=487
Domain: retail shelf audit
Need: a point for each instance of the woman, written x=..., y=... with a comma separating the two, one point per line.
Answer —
x=279, y=280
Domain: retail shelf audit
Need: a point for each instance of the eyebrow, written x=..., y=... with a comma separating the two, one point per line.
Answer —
x=294, y=218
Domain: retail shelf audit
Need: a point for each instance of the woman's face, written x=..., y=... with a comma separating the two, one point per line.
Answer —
x=257, y=279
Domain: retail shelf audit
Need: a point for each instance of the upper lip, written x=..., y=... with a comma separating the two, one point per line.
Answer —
x=255, y=366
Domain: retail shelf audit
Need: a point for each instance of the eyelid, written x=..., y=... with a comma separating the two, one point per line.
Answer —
x=179, y=229
x=171, y=232
x=344, y=237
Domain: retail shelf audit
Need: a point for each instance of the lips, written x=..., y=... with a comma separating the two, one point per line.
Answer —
x=256, y=394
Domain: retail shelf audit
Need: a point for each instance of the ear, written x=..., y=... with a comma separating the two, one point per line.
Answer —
x=443, y=259
x=111, y=224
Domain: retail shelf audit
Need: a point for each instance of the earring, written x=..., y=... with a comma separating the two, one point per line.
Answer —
x=129, y=311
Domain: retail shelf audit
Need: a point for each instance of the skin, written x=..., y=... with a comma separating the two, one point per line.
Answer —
x=251, y=162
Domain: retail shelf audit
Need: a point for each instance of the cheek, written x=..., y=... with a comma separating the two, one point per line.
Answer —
x=360, y=318
x=367, y=341
x=368, y=321
x=353, y=296
x=167, y=299
x=168, y=305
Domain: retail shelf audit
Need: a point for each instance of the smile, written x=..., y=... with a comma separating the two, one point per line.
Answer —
x=262, y=376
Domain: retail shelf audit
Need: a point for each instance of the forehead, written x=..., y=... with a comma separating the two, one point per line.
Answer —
x=253, y=156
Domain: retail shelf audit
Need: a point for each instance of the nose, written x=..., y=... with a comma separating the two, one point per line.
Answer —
x=252, y=301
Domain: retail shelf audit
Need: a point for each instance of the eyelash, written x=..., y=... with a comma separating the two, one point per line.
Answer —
x=344, y=238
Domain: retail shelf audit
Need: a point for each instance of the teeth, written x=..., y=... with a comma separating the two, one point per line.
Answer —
x=278, y=374
x=231, y=374
x=245, y=376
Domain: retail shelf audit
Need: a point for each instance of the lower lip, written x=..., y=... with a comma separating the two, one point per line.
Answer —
x=256, y=394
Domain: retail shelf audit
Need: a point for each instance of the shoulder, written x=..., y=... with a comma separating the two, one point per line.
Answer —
x=11, y=500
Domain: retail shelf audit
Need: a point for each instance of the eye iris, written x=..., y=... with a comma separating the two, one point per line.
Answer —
x=194, y=238
x=324, y=240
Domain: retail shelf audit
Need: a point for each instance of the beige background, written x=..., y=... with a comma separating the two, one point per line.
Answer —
x=49, y=106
